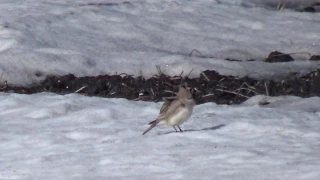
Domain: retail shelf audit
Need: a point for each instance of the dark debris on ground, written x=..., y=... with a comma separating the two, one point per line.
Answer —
x=210, y=86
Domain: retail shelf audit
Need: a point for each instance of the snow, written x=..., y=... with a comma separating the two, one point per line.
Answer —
x=42, y=37
x=78, y=137
x=49, y=136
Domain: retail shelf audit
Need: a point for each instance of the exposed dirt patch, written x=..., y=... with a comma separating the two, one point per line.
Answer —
x=209, y=87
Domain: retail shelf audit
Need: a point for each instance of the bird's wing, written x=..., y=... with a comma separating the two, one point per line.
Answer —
x=167, y=102
x=170, y=108
x=164, y=108
x=171, y=104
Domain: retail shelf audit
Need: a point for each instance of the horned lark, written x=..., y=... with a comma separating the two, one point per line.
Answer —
x=175, y=110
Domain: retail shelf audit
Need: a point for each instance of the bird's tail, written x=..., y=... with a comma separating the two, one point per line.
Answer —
x=153, y=124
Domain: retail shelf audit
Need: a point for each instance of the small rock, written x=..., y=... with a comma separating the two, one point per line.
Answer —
x=315, y=57
x=309, y=9
x=278, y=57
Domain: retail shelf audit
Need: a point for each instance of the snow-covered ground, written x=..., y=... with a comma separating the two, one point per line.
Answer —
x=48, y=136
x=84, y=38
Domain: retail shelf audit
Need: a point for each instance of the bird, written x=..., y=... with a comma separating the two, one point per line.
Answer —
x=175, y=110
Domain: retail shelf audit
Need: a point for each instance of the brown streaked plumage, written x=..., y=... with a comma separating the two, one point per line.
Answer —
x=175, y=110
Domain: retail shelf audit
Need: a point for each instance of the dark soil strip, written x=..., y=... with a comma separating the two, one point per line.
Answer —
x=209, y=87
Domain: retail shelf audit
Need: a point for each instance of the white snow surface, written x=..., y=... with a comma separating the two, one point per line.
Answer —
x=47, y=136
x=94, y=37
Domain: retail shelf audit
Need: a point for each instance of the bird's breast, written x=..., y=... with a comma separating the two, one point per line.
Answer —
x=181, y=116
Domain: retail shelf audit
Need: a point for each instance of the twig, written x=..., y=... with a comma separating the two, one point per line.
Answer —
x=251, y=87
x=159, y=70
x=140, y=71
x=169, y=84
x=207, y=95
x=240, y=88
x=175, y=77
x=281, y=5
x=221, y=86
x=267, y=91
x=205, y=76
x=222, y=79
x=152, y=92
x=195, y=50
x=200, y=54
x=170, y=91
x=189, y=72
x=123, y=84
x=289, y=90
x=181, y=74
x=83, y=87
x=141, y=96
x=5, y=85
x=248, y=89
x=233, y=93
x=196, y=89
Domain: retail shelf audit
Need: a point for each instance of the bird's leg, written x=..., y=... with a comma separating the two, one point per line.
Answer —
x=175, y=128
x=180, y=129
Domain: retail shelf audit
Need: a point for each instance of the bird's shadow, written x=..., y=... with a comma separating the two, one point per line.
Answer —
x=207, y=129
x=204, y=129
